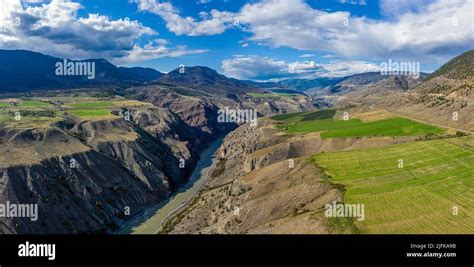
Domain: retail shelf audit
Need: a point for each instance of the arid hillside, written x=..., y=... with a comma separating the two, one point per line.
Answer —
x=265, y=182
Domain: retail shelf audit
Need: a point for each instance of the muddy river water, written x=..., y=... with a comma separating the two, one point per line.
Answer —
x=150, y=220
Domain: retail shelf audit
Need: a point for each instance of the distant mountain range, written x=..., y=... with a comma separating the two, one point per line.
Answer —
x=297, y=84
x=205, y=79
x=306, y=84
x=22, y=70
x=365, y=84
x=335, y=85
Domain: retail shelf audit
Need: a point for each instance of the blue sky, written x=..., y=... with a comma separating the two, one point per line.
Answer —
x=222, y=45
x=258, y=39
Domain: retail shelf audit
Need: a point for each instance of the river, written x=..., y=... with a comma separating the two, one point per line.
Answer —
x=150, y=220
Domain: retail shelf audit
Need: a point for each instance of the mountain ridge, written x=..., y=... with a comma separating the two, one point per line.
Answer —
x=23, y=70
x=460, y=67
x=204, y=79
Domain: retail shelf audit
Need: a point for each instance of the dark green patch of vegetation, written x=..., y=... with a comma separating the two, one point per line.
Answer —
x=219, y=169
x=284, y=117
x=319, y=115
x=343, y=225
x=171, y=223
x=306, y=116
x=102, y=94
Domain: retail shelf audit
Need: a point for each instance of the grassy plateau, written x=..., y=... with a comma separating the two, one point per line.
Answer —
x=42, y=112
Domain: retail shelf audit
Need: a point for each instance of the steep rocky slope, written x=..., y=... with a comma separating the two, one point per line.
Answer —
x=204, y=79
x=366, y=85
x=86, y=175
x=200, y=110
x=446, y=97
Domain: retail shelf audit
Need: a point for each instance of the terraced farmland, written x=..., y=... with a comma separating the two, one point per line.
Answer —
x=418, y=198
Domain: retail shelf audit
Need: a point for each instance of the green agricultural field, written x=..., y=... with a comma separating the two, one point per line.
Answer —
x=388, y=127
x=4, y=105
x=32, y=103
x=331, y=128
x=91, y=105
x=419, y=197
x=90, y=112
x=318, y=115
x=322, y=125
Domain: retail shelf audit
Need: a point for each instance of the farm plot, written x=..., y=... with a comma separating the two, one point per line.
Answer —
x=91, y=110
x=33, y=103
x=322, y=125
x=330, y=128
x=420, y=196
x=388, y=127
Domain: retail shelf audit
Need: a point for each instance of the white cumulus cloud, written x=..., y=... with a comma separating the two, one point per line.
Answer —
x=266, y=68
x=55, y=28
x=214, y=22
x=423, y=30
